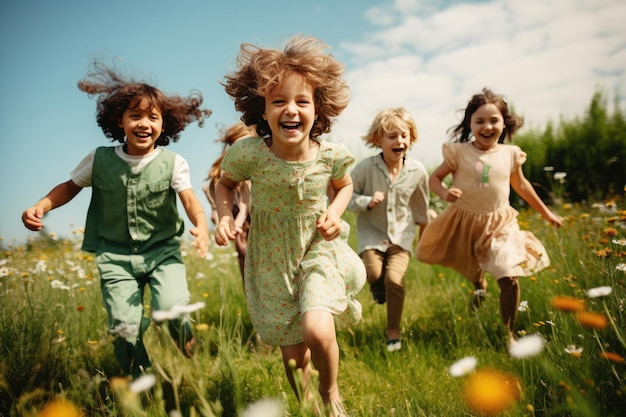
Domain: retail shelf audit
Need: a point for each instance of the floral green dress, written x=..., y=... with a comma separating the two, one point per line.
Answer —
x=290, y=269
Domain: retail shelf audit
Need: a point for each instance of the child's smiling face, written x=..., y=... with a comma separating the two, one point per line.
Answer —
x=395, y=144
x=487, y=125
x=290, y=114
x=142, y=124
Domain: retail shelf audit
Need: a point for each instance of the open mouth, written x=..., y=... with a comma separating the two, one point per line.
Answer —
x=290, y=125
x=142, y=134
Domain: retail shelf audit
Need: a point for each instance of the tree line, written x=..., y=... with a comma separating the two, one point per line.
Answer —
x=582, y=159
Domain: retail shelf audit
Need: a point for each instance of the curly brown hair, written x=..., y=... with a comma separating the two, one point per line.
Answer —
x=512, y=122
x=261, y=70
x=390, y=120
x=116, y=95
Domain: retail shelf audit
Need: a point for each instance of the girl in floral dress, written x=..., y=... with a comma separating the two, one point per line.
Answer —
x=302, y=277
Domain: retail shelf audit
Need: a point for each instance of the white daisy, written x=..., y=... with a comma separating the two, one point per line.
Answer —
x=527, y=346
x=599, y=292
x=463, y=366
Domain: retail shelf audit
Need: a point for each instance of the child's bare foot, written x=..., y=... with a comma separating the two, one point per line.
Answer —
x=189, y=347
x=336, y=409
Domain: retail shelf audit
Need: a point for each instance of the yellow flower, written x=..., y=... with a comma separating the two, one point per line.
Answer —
x=592, y=320
x=60, y=408
x=568, y=304
x=610, y=232
x=202, y=327
x=612, y=357
x=489, y=392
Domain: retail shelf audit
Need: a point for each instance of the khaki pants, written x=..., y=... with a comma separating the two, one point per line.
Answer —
x=388, y=268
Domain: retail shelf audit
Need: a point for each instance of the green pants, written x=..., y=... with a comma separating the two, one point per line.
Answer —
x=123, y=279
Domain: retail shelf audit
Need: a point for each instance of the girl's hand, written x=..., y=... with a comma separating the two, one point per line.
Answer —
x=32, y=218
x=201, y=242
x=554, y=219
x=329, y=226
x=453, y=194
x=225, y=231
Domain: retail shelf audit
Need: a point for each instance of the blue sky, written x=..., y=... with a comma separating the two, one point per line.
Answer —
x=547, y=58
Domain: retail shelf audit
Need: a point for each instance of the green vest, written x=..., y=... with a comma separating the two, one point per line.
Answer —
x=130, y=210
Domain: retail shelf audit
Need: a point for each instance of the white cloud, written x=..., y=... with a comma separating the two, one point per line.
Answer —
x=546, y=58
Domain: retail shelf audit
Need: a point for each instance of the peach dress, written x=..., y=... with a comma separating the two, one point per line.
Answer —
x=480, y=231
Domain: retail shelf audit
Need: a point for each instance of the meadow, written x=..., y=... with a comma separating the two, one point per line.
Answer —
x=57, y=358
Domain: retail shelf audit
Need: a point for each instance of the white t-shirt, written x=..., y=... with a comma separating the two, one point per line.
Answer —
x=181, y=177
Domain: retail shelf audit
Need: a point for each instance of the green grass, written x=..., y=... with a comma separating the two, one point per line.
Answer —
x=55, y=345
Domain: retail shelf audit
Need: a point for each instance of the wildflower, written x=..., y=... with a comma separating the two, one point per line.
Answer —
x=523, y=306
x=560, y=176
x=176, y=311
x=60, y=407
x=610, y=232
x=143, y=383
x=80, y=308
x=55, y=283
x=592, y=320
x=41, y=266
x=621, y=267
x=126, y=331
x=551, y=168
x=568, y=304
x=621, y=241
x=527, y=346
x=599, y=292
x=463, y=366
x=574, y=351
x=489, y=392
x=612, y=357
x=604, y=253
x=202, y=327
x=266, y=407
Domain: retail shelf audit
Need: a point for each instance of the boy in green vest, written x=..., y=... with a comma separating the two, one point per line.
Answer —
x=133, y=225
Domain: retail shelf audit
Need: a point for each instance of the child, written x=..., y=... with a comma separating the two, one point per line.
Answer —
x=302, y=277
x=241, y=202
x=133, y=224
x=479, y=232
x=390, y=198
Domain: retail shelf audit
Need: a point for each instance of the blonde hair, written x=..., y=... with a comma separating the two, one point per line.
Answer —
x=227, y=138
x=261, y=70
x=389, y=120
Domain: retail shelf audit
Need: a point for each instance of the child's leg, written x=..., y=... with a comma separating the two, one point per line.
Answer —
x=397, y=262
x=301, y=354
x=509, y=302
x=318, y=329
x=122, y=295
x=373, y=261
x=168, y=286
x=478, y=297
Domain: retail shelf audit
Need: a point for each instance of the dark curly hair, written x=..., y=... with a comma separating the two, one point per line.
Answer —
x=261, y=70
x=116, y=95
x=512, y=122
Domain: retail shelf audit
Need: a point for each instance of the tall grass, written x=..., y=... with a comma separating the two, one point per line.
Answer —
x=55, y=344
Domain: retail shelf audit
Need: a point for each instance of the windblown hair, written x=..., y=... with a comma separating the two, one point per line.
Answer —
x=227, y=138
x=116, y=95
x=262, y=70
x=512, y=122
x=390, y=120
